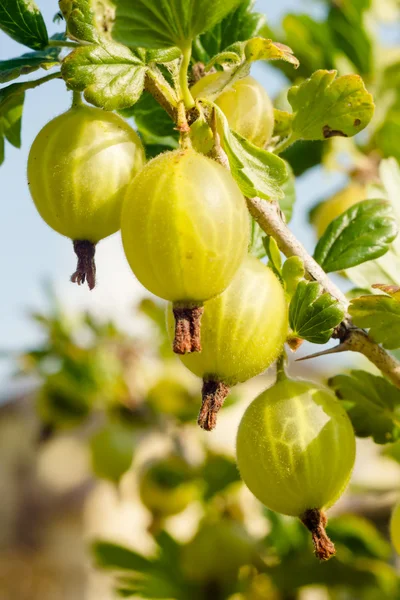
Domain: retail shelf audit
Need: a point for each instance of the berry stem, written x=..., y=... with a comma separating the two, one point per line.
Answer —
x=187, y=328
x=183, y=77
x=86, y=267
x=315, y=520
x=214, y=394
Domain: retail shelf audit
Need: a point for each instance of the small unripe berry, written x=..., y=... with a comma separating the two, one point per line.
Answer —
x=245, y=104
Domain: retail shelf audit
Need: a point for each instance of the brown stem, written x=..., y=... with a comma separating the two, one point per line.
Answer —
x=315, y=520
x=214, y=394
x=187, y=329
x=86, y=267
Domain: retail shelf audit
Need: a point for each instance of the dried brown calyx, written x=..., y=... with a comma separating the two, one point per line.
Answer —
x=86, y=267
x=214, y=394
x=315, y=520
x=187, y=329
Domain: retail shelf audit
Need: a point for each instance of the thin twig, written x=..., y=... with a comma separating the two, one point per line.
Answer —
x=267, y=215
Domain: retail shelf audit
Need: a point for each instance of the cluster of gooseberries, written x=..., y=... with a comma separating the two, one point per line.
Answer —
x=185, y=233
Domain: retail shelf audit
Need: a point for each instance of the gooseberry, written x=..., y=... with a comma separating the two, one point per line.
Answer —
x=395, y=528
x=245, y=103
x=243, y=332
x=217, y=551
x=185, y=231
x=111, y=450
x=79, y=166
x=295, y=452
x=167, y=486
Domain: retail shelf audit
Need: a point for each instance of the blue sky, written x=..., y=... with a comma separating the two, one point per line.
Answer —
x=32, y=253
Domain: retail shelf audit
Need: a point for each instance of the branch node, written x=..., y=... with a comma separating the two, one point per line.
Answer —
x=86, y=266
x=315, y=520
x=214, y=394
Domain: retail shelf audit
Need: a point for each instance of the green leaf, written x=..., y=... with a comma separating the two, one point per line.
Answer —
x=27, y=63
x=325, y=106
x=312, y=315
x=23, y=21
x=274, y=255
x=257, y=172
x=288, y=187
x=373, y=404
x=110, y=75
x=292, y=273
x=153, y=123
x=10, y=121
x=256, y=244
x=239, y=25
x=80, y=19
x=381, y=315
x=251, y=50
x=165, y=23
x=363, y=232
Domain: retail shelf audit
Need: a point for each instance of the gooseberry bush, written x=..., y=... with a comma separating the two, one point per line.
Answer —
x=203, y=190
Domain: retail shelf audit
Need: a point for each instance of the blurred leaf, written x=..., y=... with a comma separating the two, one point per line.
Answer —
x=239, y=25
x=286, y=536
x=23, y=22
x=381, y=315
x=257, y=172
x=363, y=232
x=325, y=106
x=219, y=471
x=113, y=556
x=311, y=42
x=359, y=536
x=312, y=315
x=257, y=48
x=110, y=75
x=303, y=156
x=347, y=27
x=373, y=404
x=159, y=24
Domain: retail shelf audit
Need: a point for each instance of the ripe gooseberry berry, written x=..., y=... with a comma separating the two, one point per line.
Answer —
x=167, y=486
x=245, y=104
x=185, y=231
x=111, y=451
x=395, y=528
x=295, y=452
x=243, y=332
x=217, y=552
x=325, y=212
x=79, y=166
